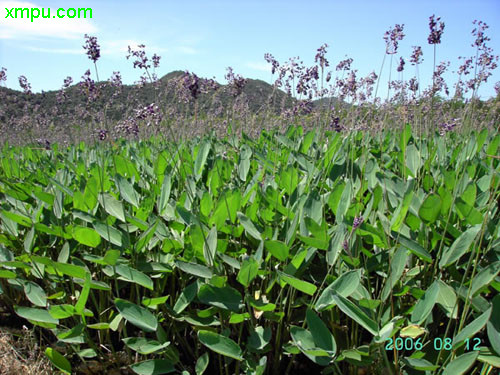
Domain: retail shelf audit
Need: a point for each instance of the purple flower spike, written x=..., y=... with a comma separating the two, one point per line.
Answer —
x=435, y=31
x=92, y=48
x=357, y=222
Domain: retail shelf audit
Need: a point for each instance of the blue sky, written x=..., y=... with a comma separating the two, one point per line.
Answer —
x=205, y=37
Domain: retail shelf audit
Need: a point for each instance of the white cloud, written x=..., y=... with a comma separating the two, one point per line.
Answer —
x=262, y=66
x=24, y=28
x=70, y=51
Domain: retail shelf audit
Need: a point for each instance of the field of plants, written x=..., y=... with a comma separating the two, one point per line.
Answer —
x=350, y=238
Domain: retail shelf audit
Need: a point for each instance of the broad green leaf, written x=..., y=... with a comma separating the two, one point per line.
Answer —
x=447, y=299
x=303, y=286
x=278, y=249
x=420, y=364
x=127, y=191
x=430, y=208
x=413, y=246
x=484, y=277
x=143, y=345
x=425, y=304
x=260, y=338
x=185, y=298
x=37, y=315
x=249, y=226
x=248, y=271
x=460, y=365
x=58, y=360
x=164, y=194
x=322, y=336
x=345, y=285
x=146, y=237
x=137, y=315
x=153, y=367
x=210, y=246
x=355, y=313
x=112, y=206
x=413, y=331
x=225, y=297
x=201, y=158
x=132, y=275
x=35, y=293
x=304, y=340
x=109, y=233
x=201, y=364
x=86, y=236
x=471, y=329
x=62, y=311
x=220, y=344
x=84, y=295
x=493, y=326
x=194, y=269
x=459, y=247
x=398, y=263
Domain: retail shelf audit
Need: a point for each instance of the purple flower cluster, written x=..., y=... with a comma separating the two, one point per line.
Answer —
x=92, y=48
x=401, y=65
x=191, y=85
x=150, y=113
x=320, y=56
x=141, y=60
x=236, y=82
x=435, y=31
x=358, y=220
x=271, y=60
x=25, y=85
x=416, y=56
x=3, y=75
x=392, y=37
x=102, y=134
x=88, y=86
x=446, y=127
x=344, y=65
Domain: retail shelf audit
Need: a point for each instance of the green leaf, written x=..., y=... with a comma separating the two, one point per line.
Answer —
x=112, y=206
x=185, y=298
x=413, y=246
x=86, y=236
x=304, y=340
x=355, y=313
x=137, y=315
x=201, y=364
x=345, y=285
x=249, y=226
x=210, y=246
x=153, y=367
x=430, y=208
x=37, y=315
x=278, y=249
x=84, y=295
x=132, y=275
x=35, y=293
x=322, y=336
x=425, y=304
x=459, y=247
x=143, y=345
x=398, y=263
x=109, y=233
x=460, y=365
x=127, y=191
x=145, y=237
x=493, y=326
x=471, y=329
x=484, y=277
x=225, y=297
x=164, y=194
x=447, y=299
x=220, y=344
x=201, y=159
x=303, y=286
x=194, y=269
x=58, y=360
x=62, y=311
x=248, y=271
